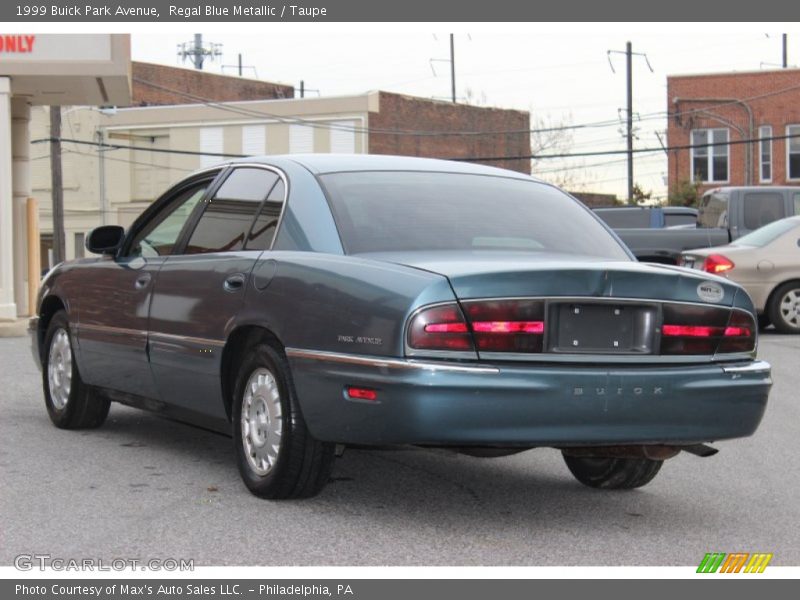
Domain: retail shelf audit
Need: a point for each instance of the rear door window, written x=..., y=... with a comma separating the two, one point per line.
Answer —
x=762, y=208
x=263, y=231
x=228, y=216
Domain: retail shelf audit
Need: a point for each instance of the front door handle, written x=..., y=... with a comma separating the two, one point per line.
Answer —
x=142, y=281
x=234, y=283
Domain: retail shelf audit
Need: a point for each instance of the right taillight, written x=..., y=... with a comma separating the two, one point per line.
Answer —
x=740, y=334
x=706, y=330
x=716, y=264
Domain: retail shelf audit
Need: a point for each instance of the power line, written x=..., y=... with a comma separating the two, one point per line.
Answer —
x=423, y=133
x=648, y=150
x=615, y=152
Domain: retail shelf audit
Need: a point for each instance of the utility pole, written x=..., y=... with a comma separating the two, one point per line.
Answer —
x=629, y=53
x=629, y=67
x=302, y=89
x=785, y=53
x=453, y=66
x=56, y=186
x=197, y=53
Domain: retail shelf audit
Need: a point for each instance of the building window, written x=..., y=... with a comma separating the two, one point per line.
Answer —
x=301, y=139
x=211, y=141
x=793, y=152
x=254, y=140
x=710, y=163
x=343, y=137
x=765, y=153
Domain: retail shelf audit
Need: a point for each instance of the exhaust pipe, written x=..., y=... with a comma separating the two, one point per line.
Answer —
x=701, y=450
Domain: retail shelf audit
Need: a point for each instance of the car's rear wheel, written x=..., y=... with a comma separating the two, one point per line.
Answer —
x=70, y=403
x=784, y=308
x=276, y=455
x=613, y=473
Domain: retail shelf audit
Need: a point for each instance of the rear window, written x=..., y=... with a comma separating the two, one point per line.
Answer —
x=761, y=208
x=394, y=210
x=677, y=219
x=625, y=218
x=767, y=234
x=713, y=211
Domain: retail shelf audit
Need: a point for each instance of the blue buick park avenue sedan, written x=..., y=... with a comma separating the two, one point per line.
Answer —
x=305, y=303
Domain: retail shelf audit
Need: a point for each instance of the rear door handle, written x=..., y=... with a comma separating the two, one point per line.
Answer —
x=234, y=283
x=142, y=281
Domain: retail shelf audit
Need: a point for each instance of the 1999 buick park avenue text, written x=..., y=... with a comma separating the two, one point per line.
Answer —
x=300, y=303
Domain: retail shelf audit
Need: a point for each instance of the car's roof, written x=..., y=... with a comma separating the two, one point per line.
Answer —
x=336, y=163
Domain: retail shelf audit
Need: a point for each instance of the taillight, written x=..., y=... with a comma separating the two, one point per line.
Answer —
x=716, y=263
x=494, y=325
x=507, y=325
x=440, y=327
x=740, y=334
x=706, y=330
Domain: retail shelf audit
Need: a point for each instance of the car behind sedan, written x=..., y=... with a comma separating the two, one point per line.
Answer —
x=302, y=304
x=766, y=263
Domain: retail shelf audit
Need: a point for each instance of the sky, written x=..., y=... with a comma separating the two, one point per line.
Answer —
x=563, y=76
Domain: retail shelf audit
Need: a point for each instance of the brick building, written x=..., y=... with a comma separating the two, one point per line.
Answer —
x=152, y=85
x=725, y=108
x=409, y=113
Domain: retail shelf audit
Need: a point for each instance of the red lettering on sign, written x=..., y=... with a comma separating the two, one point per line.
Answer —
x=17, y=43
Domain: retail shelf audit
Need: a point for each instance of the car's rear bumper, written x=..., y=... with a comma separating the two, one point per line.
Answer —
x=441, y=403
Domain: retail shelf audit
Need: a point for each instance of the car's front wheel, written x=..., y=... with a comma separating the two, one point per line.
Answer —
x=784, y=308
x=70, y=403
x=613, y=473
x=276, y=455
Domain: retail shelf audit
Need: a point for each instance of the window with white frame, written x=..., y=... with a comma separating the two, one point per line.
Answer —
x=793, y=152
x=254, y=140
x=343, y=137
x=710, y=162
x=301, y=139
x=765, y=153
x=211, y=141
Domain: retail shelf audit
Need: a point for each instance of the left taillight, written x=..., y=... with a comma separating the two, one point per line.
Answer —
x=441, y=328
x=493, y=325
x=507, y=325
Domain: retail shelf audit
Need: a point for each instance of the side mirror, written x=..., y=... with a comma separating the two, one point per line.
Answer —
x=105, y=239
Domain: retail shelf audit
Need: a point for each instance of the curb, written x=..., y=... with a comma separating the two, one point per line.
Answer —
x=14, y=329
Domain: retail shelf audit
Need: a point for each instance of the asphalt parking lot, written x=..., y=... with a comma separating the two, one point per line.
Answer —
x=143, y=487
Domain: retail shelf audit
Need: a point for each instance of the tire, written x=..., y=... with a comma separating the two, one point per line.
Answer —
x=763, y=321
x=281, y=462
x=70, y=403
x=784, y=307
x=613, y=473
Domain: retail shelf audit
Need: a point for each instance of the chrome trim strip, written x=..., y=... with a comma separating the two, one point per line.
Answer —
x=753, y=368
x=387, y=363
x=153, y=335
x=108, y=329
x=186, y=339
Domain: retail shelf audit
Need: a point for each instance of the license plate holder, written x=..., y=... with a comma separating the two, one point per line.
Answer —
x=605, y=328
